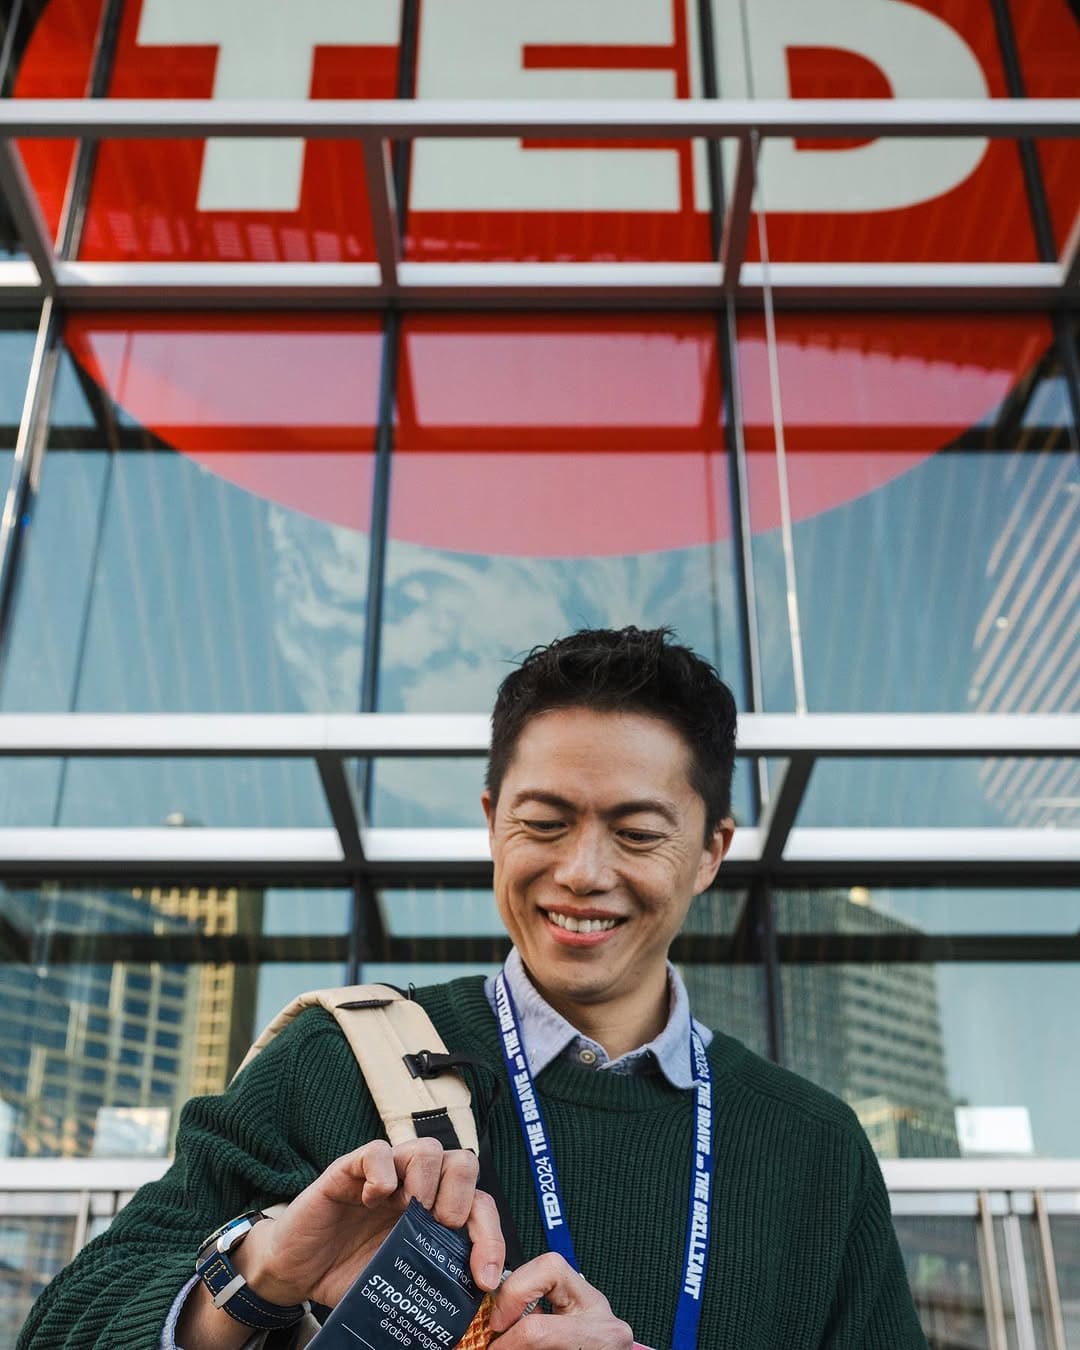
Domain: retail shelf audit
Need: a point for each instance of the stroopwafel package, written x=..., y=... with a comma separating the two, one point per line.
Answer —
x=415, y=1293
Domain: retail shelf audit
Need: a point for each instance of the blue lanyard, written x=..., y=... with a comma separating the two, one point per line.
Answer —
x=549, y=1197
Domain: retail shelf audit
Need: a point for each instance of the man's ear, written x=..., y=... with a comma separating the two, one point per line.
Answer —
x=489, y=812
x=713, y=854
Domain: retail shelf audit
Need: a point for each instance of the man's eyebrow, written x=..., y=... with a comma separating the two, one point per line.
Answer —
x=629, y=808
x=544, y=798
x=645, y=805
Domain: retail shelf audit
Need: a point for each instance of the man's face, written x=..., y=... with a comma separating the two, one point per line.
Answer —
x=597, y=839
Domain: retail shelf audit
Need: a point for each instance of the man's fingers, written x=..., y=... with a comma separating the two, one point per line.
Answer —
x=365, y=1177
x=419, y=1163
x=488, y=1247
x=456, y=1187
x=548, y=1276
x=582, y=1318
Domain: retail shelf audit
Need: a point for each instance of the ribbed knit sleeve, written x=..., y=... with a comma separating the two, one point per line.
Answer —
x=872, y=1306
x=259, y=1143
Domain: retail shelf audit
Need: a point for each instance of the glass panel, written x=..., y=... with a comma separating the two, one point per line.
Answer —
x=118, y=1005
x=924, y=793
x=420, y=973
x=17, y=336
x=549, y=474
x=428, y=793
x=52, y=57
x=933, y=493
x=935, y=1058
x=1065, y=1235
x=199, y=540
x=440, y=912
x=942, y=1261
x=280, y=984
x=727, y=993
x=435, y=793
x=874, y=912
x=429, y=931
x=889, y=199
x=33, y=1248
x=221, y=200
x=215, y=793
x=1048, y=39
x=539, y=199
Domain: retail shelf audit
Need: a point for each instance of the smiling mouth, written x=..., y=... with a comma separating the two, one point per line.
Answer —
x=572, y=924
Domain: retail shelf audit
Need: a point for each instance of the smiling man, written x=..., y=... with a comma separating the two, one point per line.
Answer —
x=659, y=1183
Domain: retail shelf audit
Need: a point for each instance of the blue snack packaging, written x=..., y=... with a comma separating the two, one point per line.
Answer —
x=415, y=1293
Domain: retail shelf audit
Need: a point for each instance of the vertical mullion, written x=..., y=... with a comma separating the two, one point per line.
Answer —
x=10, y=29
x=380, y=510
x=30, y=447
x=367, y=935
x=384, y=439
x=759, y=900
x=73, y=214
x=726, y=337
x=358, y=932
x=26, y=468
x=761, y=896
x=1039, y=206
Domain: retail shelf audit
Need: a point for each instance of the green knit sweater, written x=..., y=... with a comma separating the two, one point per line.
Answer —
x=803, y=1253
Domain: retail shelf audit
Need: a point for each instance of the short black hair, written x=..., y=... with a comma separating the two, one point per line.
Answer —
x=625, y=670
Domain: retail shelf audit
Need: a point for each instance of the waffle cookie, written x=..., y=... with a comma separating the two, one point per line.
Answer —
x=477, y=1335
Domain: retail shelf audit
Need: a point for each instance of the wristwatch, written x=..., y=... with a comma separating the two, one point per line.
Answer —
x=228, y=1288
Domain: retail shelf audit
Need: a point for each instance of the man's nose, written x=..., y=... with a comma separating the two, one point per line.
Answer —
x=584, y=864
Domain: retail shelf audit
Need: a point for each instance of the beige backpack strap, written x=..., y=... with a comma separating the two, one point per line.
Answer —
x=382, y=1028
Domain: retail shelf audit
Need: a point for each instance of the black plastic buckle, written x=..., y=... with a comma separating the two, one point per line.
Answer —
x=428, y=1063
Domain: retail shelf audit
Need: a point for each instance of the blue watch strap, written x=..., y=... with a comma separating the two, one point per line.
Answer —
x=228, y=1288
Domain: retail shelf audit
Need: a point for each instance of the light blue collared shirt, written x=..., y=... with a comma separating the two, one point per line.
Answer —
x=547, y=1036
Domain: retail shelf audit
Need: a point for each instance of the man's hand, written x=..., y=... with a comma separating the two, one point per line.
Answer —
x=581, y=1318
x=331, y=1230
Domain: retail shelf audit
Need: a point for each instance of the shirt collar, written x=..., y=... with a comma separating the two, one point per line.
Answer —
x=547, y=1035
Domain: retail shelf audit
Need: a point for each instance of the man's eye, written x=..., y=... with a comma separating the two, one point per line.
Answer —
x=544, y=826
x=640, y=836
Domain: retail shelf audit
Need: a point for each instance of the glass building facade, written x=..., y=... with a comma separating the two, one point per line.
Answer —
x=324, y=505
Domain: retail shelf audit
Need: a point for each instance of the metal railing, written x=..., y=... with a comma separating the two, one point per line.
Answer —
x=983, y=1203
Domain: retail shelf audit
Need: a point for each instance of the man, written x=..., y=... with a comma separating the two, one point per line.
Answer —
x=666, y=1185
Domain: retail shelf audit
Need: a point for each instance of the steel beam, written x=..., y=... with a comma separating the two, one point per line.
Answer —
x=572, y=119
x=134, y=285
x=424, y=735
x=383, y=208
x=1070, y=261
x=344, y=807
x=737, y=216
x=26, y=214
x=1008, y=856
x=248, y=735
x=783, y=807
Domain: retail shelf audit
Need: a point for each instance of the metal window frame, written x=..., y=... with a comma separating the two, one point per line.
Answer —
x=389, y=279
x=777, y=848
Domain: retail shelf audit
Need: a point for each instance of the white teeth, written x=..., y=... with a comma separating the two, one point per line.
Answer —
x=581, y=925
